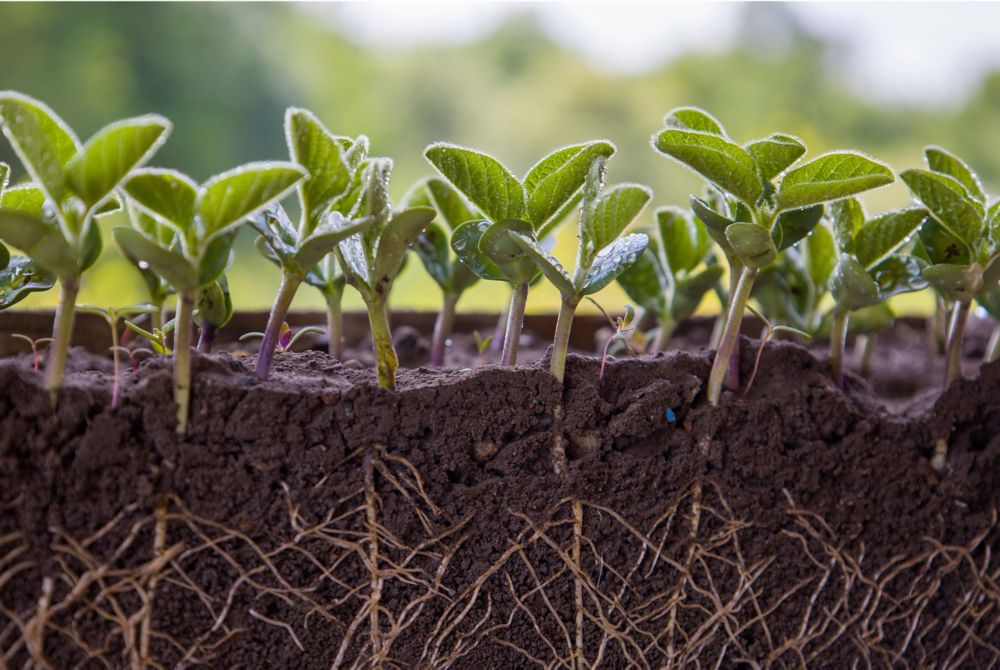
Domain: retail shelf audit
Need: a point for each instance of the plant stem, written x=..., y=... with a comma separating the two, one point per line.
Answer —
x=286, y=291
x=867, y=344
x=116, y=387
x=734, y=318
x=156, y=319
x=838, y=340
x=182, y=358
x=206, y=338
x=442, y=329
x=496, y=344
x=62, y=330
x=733, y=371
x=386, y=360
x=564, y=326
x=953, y=348
x=515, y=321
x=993, y=346
x=334, y=323
x=665, y=333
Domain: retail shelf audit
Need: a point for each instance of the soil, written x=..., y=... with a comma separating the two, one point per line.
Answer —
x=316, y=521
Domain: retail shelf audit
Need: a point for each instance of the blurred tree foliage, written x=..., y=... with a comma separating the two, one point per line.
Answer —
x=225, y=72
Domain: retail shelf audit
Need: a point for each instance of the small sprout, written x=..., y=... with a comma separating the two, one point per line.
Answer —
x=763, y=204
x=482, y=344
x=960, y=240
x=133, y=361
x=531, y=208
x=287, y=336
x=303, y=252
x=157, y=338
x=871, y=266
x=53, y=219
x=34, y=344
x=112, y=316
x=373, y=258
x=769, y=331
x=213, y=308
x=673, y=274
x=433, y=248
x=622, y=326
x=206, y=219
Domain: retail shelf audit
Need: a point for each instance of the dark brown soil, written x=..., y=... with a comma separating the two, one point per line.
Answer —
x=315, y=521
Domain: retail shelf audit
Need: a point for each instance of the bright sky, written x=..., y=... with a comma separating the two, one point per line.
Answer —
x=919, y=52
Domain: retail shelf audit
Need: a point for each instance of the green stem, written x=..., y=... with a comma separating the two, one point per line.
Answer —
x=442, y=329
x=282, y=301
x=665, y=333
x=867, y=351
x=515, y=321
x=156, y=319
x=61, y=332
x=560, y=345
x=116, y=387
x=838, y=340
x=953, y=348
x=386, y=360
x=182, y=358
x=737, y=305
x=993, y=346
x=334, y=323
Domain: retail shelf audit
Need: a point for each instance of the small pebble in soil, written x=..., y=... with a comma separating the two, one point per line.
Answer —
x=484, y=450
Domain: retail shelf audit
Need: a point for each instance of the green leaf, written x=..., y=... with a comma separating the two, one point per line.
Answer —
x=851, y=285
x=215, y=258
x=692, y=118
x=91, y=248
x=613, y=210
x=899, y=274
x=450, y=204
x=830, y=177
x=775, y=153
x=20, y=277
x=321, y=153
x=612, y=261
x=715, y=224
x=723, y=163
x=689, y=291
x=548, y=265
x=465, y=243
x=213, y=304
x=401, y=231
x=885, y=234
x=821, y=256
x=111, y=154
x=943, y=161
x=43, y=142
x=796, y=224
x=645, y=281
x=948, y=202
x=846, y=218
x=752, y=244
x=27, y=200
x=4, y=257
x=499, y=247
x=42, y=242
x=682, y=239
x=957, y=282
x=226, y=200
x=170, y=265
x=482, y=179
x=432, y=250
x=940, y=246
x=555, y=179
x=278, y=232
x=166, y=195
x=4, y=176
x=323, y=240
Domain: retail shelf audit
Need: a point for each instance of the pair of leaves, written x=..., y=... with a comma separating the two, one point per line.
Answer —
x=205, y=217
x=213, y=304
x=78, y=180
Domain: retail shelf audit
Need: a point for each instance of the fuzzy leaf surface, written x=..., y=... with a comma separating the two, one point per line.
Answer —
x=948, y=202
x=645, y=281
x=170, y=265
x=226, y=200
x=397, y=236
x=465, y=243
x=482, y=179
x=558, y=177
x=830, y=177
x=775, y=153
x=321, y=153
x=615, y=208
x=721, y=162
x=796, y=224
x=943, y=161
x=43, y=141
x=168, y=195
x=693, y=118
x=851, y=285
x=885, y=234
x=20, y=277
x=612, y=261
x=752, y=243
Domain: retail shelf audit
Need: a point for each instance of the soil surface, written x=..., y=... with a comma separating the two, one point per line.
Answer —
x=316, y=521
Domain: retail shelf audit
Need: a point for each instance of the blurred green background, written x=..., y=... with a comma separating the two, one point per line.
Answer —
x=225, y=72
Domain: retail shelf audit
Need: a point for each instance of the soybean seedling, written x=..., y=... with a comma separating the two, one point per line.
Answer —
x=206, y=218
x=870, y=266
x=36, y=356
x=53, y=220
x=602, y=254
x=960, y=240
x=769, y=331
x=670, y=278
x=157, y=338
x=434, y=250
x=287, y=336
x=112, y=317
x=532, y=207
x=213, y=308
x=19, y=275
x=482, y=345
x=371, y=259
x=769, y=205
x=331, y=162
x=622, y=326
